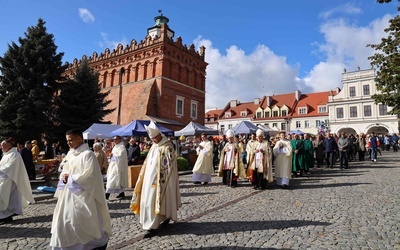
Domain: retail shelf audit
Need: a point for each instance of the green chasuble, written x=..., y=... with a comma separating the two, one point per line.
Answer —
x=308, y=154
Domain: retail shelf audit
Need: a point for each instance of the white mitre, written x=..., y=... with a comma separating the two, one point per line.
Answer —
x=152, y=130
x=230, y=133
x=259, y=132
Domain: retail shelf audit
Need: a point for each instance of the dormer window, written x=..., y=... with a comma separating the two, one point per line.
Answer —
x=302, y=111
x=322, y=109
x=243, y=113
x=284, y=113
x=228, y=115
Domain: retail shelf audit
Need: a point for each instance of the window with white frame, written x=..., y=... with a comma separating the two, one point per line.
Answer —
x=284, y=113
x=222, y=128
x=283, y=126
x=318, y=123
x=302, y=111
x=367, y=110
x=382, y=109
x=275, y=113
x=321, y=109
x=275, y=124
x=266, y=114
x=306, y=124
x=193, y=109
x=298, y=124
x=230, y=126
x=243, y=113
x=366, y=90
x=353, y=111
x=339, y=113
x=352, y=91
x=266, y=124
x=180, y=101
x=258, y=114
x=227, y=115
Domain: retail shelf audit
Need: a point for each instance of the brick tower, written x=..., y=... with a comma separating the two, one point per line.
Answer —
x=157, y=79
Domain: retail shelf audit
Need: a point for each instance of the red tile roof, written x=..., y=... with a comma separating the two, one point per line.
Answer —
x=249, y=107
x=312, y=101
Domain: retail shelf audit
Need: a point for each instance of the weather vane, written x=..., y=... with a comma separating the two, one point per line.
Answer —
x=160, y=11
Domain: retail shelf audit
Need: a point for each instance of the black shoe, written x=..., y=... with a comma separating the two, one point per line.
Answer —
x=120, y=195
x=165, y=223
x=6, y=220
x=107, y=196
x=285, y=186
x=101, y=248
x=205, y=183
x=197, y=182
x=150, y=233
x=256, y=187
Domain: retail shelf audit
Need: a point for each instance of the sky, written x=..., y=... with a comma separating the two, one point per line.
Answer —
x=253, y=48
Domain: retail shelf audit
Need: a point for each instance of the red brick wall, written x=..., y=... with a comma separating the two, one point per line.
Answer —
x=154, y=72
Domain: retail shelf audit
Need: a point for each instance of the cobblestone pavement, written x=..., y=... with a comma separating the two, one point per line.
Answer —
x=355, y=208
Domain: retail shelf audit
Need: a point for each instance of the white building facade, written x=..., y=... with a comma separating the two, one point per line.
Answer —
x=353, y=110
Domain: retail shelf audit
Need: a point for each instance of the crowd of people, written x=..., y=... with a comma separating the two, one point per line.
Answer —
x=289, y=155
x=81, y=218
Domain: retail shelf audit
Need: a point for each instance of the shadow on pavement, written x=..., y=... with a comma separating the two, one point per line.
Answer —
x=232, y=247
x=198, y=185
x=196, y=194
x=206, y=228
x=331, y=185
x=24, y=232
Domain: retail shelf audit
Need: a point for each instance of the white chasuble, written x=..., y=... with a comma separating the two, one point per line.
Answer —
x=156, y=196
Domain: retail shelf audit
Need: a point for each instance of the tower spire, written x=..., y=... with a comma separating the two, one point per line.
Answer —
x=160, y=20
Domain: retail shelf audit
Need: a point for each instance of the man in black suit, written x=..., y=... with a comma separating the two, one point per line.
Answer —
x=133, y=152
x=48, y=150
x=27, y=157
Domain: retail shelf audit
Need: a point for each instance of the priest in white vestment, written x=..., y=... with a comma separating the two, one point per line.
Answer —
x=117, y=172
x=261, y=161
x=81, y=219
x=15, y=188
x=203, y=168
x=156, y=197
x=250, y=152
x=231, y=165
x=283, y=161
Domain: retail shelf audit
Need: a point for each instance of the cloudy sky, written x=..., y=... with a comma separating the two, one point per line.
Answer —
x=254, y=48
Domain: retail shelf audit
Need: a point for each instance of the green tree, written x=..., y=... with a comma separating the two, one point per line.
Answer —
x=81, y=102
x=387, y=64
x=30, y=75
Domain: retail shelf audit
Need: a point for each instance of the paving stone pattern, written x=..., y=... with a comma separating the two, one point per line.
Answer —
x=355, y=208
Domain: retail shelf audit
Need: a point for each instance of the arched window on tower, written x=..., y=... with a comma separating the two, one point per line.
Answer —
x=105, y=76
x=121, y=76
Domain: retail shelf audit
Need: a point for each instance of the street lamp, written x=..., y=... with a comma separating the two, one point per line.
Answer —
x=288, y=120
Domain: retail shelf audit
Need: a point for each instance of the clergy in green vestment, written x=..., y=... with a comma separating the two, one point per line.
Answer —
x=308, y=153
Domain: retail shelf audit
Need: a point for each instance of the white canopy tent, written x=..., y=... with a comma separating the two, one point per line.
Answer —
x=194, y=128
x=271, y=131
x=99, y=130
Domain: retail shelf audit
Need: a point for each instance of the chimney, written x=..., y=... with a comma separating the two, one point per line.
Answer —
x=256, y=101
x=297, y=95
x=233, y=103
x=269, y=100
